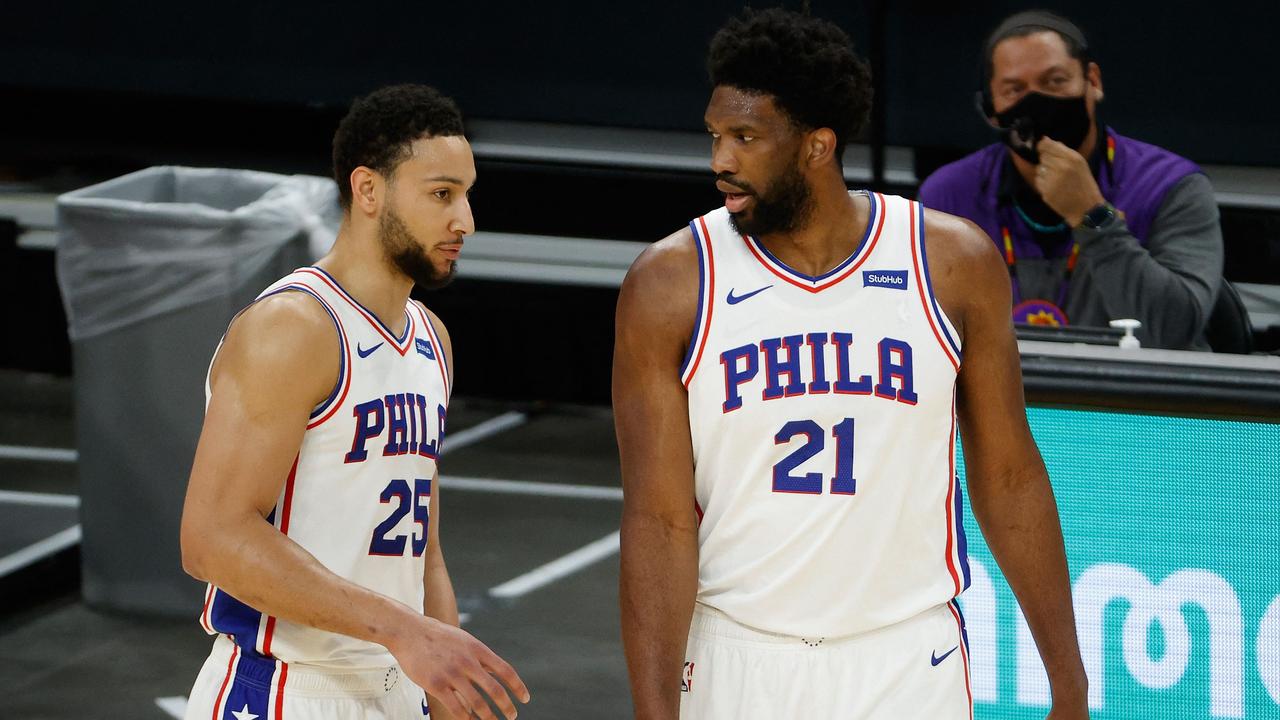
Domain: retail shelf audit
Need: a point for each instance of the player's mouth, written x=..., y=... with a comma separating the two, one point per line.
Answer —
x=735, y=198
x=735, y=202
x=450, y=250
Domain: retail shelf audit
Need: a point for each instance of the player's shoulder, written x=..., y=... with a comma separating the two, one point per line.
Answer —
x=286, y=334
x=967, y=272
x=661, y=287
x=954, y=241
x=284, y=317
x=667, y=260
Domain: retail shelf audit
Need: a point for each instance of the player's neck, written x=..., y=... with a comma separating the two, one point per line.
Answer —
x=828, y=236
x=365, y=275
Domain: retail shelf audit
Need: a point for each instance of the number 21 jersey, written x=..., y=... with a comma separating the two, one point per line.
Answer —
x=822, y=413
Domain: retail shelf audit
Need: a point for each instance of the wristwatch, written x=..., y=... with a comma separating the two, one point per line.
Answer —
x=1098, y=217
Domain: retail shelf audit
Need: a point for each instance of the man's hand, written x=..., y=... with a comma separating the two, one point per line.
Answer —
x=1065, y=182
x=454, y=668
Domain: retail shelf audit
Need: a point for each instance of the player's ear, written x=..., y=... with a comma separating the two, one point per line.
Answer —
x=820, y=146
x=365, y=189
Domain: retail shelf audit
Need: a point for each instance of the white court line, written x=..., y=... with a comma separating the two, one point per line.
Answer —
x=480, y=431
x=20, y=452
x=559, y=568
x=14, y=497
x=39, y=550
x=529, y=487
x=175, y=707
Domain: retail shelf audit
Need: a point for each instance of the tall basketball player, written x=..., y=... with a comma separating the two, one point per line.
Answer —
x=788, y=374
x=313, y=504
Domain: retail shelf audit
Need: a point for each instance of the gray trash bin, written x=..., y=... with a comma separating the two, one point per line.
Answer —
x=152, y=266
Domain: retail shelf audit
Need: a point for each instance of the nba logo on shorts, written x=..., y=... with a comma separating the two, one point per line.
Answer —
x=686, y=682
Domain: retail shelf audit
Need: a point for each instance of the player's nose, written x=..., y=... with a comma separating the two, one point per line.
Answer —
x=464, y=222
x=722, y=159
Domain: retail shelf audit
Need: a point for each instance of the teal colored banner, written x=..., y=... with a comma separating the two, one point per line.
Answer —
x=1172, y=528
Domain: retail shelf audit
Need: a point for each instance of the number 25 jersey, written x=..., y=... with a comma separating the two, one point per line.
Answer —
x=822, y=413
x=359, y=493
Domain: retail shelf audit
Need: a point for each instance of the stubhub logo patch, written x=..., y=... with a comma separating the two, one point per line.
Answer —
x=894, y=279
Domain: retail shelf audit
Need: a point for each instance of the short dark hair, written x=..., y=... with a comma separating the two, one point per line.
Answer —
x=1029, y=22
x=808, y=65
x=379, y=128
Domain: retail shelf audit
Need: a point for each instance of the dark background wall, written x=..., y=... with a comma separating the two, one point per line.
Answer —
x=92, y=90
x=1195, y=77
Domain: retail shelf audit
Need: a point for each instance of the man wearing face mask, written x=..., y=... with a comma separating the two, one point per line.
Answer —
x=1093, y=226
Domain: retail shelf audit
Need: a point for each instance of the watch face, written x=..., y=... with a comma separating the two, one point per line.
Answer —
x=1098, y=216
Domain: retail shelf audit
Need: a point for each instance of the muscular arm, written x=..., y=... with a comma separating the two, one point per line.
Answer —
x=1171, y=284
x=278, y=361
x=659, y=576
x=1008, y=486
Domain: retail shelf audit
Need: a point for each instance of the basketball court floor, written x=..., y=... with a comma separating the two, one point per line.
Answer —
x=531, y=504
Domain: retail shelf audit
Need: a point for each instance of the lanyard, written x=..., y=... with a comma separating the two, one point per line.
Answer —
x=1011, y=260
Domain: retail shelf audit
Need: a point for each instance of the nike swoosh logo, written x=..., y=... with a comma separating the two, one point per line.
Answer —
x=366, y=353
x=734, y=300
x=933, y=657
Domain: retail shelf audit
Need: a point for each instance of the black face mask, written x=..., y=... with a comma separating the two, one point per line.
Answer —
x=1036, y=115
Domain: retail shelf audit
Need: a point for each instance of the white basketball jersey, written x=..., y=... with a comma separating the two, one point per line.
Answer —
x=359, y=492
x=823, y=424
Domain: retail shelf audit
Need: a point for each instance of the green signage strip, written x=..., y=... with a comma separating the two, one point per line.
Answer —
x=1172, y=527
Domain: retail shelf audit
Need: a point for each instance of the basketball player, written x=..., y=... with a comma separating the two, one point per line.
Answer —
x=313, y=504
x=788, y=374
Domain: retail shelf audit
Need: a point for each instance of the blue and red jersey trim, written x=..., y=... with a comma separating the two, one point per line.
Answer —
x=849, y=266
x=401, y=344
x=253, y=684
x=954, y=608
x=920, y=261
x=706, y=300
x=956, y=551
x=441, y=362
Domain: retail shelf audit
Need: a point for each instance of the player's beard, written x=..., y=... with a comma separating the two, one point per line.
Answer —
x=784, y=208
x=406, y=255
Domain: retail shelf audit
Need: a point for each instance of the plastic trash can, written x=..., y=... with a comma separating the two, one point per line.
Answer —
x=152, y=266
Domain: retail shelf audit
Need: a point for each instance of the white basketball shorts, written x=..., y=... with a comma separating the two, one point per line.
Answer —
x=917, y=668
x=234, y=685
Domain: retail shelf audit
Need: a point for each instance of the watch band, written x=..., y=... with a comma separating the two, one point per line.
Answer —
x=1098, y=216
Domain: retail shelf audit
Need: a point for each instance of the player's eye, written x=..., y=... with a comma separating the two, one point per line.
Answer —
x=443, y=194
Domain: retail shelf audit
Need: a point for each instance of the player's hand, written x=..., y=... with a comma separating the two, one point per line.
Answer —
x=1065, y=182
x=455, y=669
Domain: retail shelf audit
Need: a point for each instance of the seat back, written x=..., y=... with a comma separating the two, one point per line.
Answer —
x=1229, y=329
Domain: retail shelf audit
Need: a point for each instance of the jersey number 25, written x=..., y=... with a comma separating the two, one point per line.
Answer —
x=419, y=500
